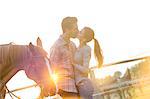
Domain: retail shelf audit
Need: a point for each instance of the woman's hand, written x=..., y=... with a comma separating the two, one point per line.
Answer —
x=74, y=64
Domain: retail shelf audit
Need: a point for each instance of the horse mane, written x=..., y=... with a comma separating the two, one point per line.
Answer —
x=12, y=54
x=41, y=51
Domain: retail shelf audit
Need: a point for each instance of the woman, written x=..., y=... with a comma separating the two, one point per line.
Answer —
x=82, y=58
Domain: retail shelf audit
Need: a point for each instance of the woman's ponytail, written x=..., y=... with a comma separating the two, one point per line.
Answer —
x=98, y=53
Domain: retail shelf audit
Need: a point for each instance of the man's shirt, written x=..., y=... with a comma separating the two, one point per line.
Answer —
x=61, y=58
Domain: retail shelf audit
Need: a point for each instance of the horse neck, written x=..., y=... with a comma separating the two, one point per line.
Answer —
x=6, y=78
x=20, y=56
x=16, y=63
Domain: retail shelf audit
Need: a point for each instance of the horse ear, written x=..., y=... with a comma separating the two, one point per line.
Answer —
x=31, y=46
x=39, y=42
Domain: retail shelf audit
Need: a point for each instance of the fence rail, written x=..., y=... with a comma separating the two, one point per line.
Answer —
x=124, y=85
x=113, y=87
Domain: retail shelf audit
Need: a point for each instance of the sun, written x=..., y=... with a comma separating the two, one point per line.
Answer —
x=55, y=77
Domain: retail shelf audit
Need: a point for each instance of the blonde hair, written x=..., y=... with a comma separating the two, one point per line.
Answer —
x=98, y=53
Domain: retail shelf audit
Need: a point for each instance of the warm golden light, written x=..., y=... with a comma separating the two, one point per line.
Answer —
x=55, y=77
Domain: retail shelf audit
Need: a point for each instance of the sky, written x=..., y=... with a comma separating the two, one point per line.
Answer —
x=122, y=28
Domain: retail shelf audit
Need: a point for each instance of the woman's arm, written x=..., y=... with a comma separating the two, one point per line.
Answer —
x=86, y=55
x=82, y=69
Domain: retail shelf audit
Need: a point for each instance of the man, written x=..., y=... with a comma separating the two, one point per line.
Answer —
x=61, y=58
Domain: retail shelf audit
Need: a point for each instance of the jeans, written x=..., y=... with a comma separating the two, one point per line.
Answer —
x=86, y=89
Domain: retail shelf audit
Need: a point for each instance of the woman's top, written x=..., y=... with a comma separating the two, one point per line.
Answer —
x=82, y=59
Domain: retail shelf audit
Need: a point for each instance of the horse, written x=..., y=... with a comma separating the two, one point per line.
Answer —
x=30, y=58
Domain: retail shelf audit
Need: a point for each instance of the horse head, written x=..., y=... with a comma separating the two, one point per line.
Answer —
x=39, y=70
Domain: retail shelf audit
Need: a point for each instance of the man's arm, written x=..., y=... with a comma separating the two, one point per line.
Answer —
x=55, y=56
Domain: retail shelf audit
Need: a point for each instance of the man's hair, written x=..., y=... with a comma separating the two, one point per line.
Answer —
x=68, y=23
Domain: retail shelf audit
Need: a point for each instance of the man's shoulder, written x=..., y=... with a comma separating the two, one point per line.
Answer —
x=57, y=43
x=55, y=46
